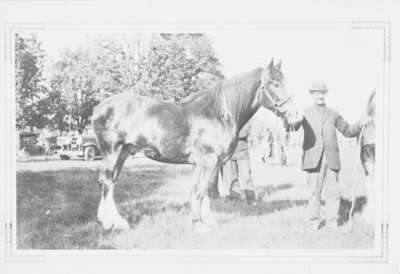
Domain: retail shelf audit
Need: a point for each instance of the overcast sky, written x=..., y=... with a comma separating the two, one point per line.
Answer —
x=350, y=61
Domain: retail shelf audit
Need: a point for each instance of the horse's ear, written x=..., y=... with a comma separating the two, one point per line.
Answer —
x=271, y=64
x=279, y=65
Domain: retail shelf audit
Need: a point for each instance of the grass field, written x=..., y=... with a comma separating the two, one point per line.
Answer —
x=57, y=203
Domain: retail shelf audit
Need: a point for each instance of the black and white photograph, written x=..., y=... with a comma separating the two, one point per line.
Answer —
x=262, y=140
x=177, y=140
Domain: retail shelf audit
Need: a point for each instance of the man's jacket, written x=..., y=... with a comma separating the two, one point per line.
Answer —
x=319, y=127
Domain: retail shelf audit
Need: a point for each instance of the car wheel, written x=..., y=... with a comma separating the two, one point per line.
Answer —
x=64, y=157
x=90, y=153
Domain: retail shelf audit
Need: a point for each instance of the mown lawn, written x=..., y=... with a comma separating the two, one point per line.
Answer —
x=56, y=210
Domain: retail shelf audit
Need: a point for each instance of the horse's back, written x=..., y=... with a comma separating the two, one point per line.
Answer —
x=116, y=102
x=159, y=128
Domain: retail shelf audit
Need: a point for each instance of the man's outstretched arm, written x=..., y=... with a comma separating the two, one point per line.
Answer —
x=346, y=129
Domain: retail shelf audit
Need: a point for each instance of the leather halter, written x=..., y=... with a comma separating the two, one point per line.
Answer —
x=276, y=104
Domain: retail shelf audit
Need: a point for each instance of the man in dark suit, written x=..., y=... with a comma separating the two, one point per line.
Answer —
x=321, y=155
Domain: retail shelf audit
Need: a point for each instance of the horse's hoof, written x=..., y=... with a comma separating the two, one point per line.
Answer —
x=201, y=228
x=121, y=224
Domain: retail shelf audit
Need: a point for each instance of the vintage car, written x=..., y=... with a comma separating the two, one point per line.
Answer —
x=28, y=144
x=78, y=146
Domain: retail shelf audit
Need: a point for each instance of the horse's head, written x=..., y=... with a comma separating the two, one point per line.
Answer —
x=273, y=95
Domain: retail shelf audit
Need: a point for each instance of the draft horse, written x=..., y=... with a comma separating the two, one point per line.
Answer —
x=366, y=143
x=201, y=130
x=367, y=156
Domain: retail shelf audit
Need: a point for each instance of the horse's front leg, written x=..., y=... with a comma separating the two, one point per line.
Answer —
x=201, y=216
x=107, y=212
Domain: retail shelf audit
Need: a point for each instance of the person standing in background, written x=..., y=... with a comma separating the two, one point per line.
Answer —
x=269, y=146
x=240, y=181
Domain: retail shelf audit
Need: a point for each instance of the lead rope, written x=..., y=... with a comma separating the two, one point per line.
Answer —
x=287, y=144
x=353, y=186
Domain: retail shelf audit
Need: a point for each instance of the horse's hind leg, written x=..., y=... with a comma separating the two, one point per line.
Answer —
x=107, y=212
x=201, y=213
x=369, y=212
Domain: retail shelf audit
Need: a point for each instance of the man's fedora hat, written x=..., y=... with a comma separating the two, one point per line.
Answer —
x=318, y=86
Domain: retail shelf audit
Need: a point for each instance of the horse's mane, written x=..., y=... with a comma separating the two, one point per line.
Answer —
x=238, y=91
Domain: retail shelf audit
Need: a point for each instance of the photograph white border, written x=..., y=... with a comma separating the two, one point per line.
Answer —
x=378, y=254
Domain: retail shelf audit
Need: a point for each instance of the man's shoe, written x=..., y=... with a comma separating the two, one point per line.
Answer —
x=250, y=196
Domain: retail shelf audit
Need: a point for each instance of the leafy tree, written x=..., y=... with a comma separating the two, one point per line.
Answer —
x=167, y=66
x=73, y=96
x=58, y=108
x=177, y=65
x=32, y=108
x=82, y=77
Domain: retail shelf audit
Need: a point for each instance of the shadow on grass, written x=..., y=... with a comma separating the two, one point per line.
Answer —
x=263, y=191
x=57, y=209
x=134, y=212
x=259, y=208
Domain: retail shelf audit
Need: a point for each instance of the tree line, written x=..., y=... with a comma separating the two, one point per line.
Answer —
x=164, y=66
